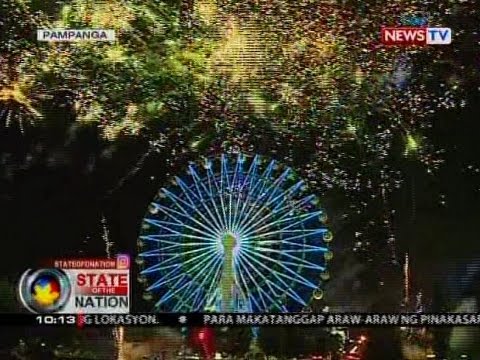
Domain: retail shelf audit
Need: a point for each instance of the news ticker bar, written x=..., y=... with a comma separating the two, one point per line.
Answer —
x=242, y=319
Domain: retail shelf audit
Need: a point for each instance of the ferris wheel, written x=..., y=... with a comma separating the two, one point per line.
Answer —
x=237, y=234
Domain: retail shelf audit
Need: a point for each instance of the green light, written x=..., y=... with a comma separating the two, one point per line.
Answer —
x=229, y=241
x=227, y=281
x=412, y=145
x=352, y=128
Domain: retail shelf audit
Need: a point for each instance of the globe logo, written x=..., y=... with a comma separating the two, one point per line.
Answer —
x=44, y=290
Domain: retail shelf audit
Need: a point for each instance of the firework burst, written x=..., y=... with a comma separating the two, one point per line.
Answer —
x=16, y=108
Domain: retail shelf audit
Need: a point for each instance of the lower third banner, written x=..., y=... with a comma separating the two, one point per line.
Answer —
x=242, y=319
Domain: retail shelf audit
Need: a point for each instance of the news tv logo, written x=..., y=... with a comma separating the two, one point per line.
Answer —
x=419, y=36
x=88, y=286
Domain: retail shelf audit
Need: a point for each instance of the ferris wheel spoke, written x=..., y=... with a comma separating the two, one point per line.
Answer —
x=176, y=200
x=237, y=173
x=284, y=212
x=172, y=213
x=211, y=266
x=165, y=279
x=268, y=270
x=177, y=259
x=289, y=194
x=187, y=192
x=288, y=291
x=197, y=182
x=171, y=256
x=151, y=253
x=300, y=262
x=231, y=190
x=194, y=251
x=178, y=290
x=195, y=306
x=278, y=209
x=287, y=288
x=308, y=248
x=213, y=283
x=206, y=237
x=302, y=234
x=250, y=198
x=203, y=256
x=184, y=245
x=294, y=296
x=264, y=278
x=287, y=203
x=238, y=183
x=161, y=238
x=173, y=244
x=219, y=193
x=224, y=178
x=258, y=288
x=224, y=188
x=291, y=251
x=157, y=268
x=241, y=197
x=203, y=264
x=295, y=275
x=281, y=231
x=178, y=222
x=172, y=260
x=222, y=202
x=260, y=197
x=302, y=240
x=300, y=246
x=172, y=224
x=178, y=246
x=284, y=197
x=215, y=274
x=192, y=281
x=181, y=302
x=275, y=192
x=170, y=292
x=240, y=275
x=212, y=186
x=297, y=220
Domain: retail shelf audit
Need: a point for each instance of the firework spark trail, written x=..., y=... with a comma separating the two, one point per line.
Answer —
x=323, y=77
x=118, y=332
x=305, y=81
x=346, y=71
x=16, y=108
x=106, y=237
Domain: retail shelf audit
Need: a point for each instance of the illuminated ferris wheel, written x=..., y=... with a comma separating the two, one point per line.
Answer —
x=237, y=234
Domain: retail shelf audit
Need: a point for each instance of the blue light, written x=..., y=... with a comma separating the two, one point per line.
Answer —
x=414, y=20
